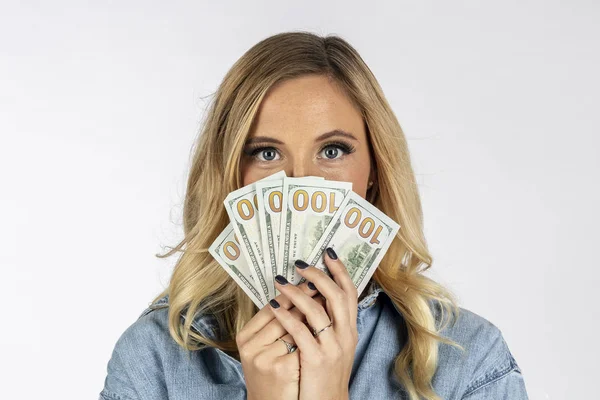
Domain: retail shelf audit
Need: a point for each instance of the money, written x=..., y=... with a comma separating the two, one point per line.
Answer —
x=270, y=199
x=278, y=220
x=226, y=250
x=242, y=208
x=360, y=234
x=308, y=207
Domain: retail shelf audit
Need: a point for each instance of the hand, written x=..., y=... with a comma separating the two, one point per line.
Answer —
x=325, y=360
x=270, y=372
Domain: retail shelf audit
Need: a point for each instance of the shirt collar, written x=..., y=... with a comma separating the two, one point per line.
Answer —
x=373, y=290
x=205, y=324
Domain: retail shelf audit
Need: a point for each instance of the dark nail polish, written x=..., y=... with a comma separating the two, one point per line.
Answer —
x=311, y=286
x=274, y=303
x=281, y=280
x=331, y=253
x=301, y=264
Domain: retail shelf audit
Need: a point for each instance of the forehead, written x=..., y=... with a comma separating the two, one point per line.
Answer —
x=307, y=105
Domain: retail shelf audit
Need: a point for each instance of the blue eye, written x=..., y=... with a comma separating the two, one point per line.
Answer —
x=335, y=151
x=332, y=152
x=267, y=153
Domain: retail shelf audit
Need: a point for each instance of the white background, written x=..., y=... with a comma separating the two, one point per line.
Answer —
x=100, y=105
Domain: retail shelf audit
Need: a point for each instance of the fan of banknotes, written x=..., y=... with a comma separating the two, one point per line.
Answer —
x=278, y=220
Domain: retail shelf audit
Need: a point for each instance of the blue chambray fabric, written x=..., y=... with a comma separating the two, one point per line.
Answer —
x=146, y=364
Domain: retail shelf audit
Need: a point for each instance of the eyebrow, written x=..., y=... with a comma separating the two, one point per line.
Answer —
x=326, y=135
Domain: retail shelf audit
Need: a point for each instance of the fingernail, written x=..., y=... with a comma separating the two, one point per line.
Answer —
x=301, y=264
x=331, y=253
x=274, y=303
x=311, y=286
x=281, y=280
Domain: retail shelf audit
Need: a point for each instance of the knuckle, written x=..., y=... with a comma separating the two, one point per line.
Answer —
x=334, y=353
x=295, y=326
x=296, y=314
x=340, y=296
x=244, y=352
x=317, y=309
x=351, y=342
x=353, y=290
x=318, y=358
x=280, y=368
x=260, y=362
x=323, y=315
x=240, y=338
x=287, y=368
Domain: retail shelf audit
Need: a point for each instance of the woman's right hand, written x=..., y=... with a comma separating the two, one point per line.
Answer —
x=270, y=372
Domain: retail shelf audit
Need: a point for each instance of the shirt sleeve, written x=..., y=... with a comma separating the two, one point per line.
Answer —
x=119, y=383
x=492, y=370
x=134, y=371
x=509, y=386
x=498, y=377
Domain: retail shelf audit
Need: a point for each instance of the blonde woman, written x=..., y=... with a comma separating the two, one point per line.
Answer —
x=310, y=106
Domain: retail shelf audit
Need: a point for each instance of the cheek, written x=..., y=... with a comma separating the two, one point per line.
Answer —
x=248, y=177
x=357, y=173
x=359, y=185
x=251, y=174
x=248, y=174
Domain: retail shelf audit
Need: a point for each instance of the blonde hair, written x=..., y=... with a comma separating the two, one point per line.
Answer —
x=198, y=282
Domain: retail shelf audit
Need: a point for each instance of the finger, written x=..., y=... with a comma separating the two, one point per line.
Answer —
x=274, y=329
x=288, y=338
x=302, y=336
x=278, y=348
x=336, y=297
x=270, y=332
x=315, y=313
x=343, y=280
x=340, y=273
x=288, y=366
x=276, y=359
x=265, y=315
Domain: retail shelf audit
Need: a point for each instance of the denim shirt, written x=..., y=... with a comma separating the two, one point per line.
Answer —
x=147, y=364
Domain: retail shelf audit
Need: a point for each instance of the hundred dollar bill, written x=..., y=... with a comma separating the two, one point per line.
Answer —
x=308, y=207
x=270, y=198
x=360, y=234
x=241, y=206
x=226, y=250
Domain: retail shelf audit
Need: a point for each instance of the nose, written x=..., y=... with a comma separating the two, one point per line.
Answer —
x=302, y=166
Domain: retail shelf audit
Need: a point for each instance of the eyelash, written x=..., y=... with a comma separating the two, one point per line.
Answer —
x=347, y=148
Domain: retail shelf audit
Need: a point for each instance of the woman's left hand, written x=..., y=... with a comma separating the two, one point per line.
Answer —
x=325, y=360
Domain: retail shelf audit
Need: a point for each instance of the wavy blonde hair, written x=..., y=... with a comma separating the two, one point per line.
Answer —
x=199, y=284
